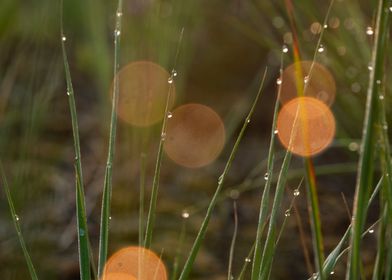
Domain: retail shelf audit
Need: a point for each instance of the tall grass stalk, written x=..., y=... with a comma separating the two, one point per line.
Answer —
x=107, y=188
x=264, y=204
x=202, y=231
x=82, y=229
x=15, y=220
x=366, y=165
x=155, y=183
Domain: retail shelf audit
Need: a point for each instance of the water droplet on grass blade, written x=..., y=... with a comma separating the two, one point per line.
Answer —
x=63, y=38
x=248, y=260
x=169, y=115
x=287, y=213
x=185, y=214
x=285, y=49
x=170, y=80
x=266, y=176
x=296, y=192
x=279, y=81
x=369, y=31
x=17, y=217
x=321, y=49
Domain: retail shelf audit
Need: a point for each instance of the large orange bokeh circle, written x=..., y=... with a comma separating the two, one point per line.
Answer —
x=143, y=91
x=137, y=262
x=118, y=276
x=306, y=126
x=319, y=84
x=195, y=135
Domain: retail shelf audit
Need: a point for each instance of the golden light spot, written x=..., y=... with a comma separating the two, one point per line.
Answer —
x=320, y=84
x=306, y=126
x=118, y=276
x=143, y=91
x=195, y=135
x=135, y=262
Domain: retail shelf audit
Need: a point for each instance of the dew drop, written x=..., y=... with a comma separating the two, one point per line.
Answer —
x=234, y=194
x=63, y=38
x=117, y=32
x=170, y=80
x=287, y=213
x=119, y=14
x=285, y=49
x=325, y=26
x=248, y=260
x=390, y=9
x=369, y=31
x=314, y=276
x=321, y=49
x=169, y=115
x=353, y=146
x=279, y=81
x=332, y=272
x=68, y=93
x=220, y=179
x=266, y=176
x=163, y=136
x=248, y=120
x=381, y=97
x=17, y=217
x=378, y=82
x=371, y=230
x=296, y=192
x=185, y=214
x=306, y=79
x=174, y=73
x=276, y=131
x=110, y=217
x=370, y=68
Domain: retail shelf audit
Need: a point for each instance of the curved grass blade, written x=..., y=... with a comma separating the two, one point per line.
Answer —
x=158, y=163
x=202, y=231
x=107, y=188
x=15, y=220
x=365, y=167
x=232, y=245
x=82, y=229
x=264, y=204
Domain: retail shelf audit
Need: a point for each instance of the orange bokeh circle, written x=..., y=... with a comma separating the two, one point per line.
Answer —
x=136, y=262
x=306, y=126
x=143, y=91
x=118, y=276
x=320, y=84
x=195, y=135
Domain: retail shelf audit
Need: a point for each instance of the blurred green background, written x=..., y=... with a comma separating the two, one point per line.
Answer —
x=225, y=48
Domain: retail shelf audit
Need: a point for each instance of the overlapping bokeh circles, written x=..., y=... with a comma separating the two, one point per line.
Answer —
x=195, y=135
x=319, y=83
x=135, y=263
x=143, y=91
x=306, y=126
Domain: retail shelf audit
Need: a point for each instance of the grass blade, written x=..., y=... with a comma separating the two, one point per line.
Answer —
x=232, y=245
x=15, y=220
x=256, y=265
x=82, y=229
x=107, y=188
x=202, y=231
x=365, y=167
x=158, y=163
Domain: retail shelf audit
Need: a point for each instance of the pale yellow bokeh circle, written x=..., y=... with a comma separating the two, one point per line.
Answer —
x=195, y=135
x=306, y=126
x=143, y=91
x=319, y=84
x=137, y=262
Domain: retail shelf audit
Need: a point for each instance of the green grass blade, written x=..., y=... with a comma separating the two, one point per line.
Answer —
x=107, y=188
x=15, y=220
x=269, y=246
x=246, y=263
x=82, y=229
x=232, y=245
x=365, y=167
x=158, y=163
x=202, y=231
x=264, y=204
x=314, y=214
